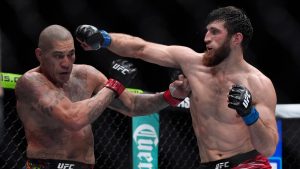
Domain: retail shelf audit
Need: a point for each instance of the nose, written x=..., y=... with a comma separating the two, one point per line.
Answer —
x=66, y=62
x=207, y=37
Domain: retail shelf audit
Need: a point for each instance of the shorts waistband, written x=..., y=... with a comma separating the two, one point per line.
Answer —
x=56, y=164
x=229, y=162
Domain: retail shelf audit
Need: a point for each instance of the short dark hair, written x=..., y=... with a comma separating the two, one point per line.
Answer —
x=235, y=20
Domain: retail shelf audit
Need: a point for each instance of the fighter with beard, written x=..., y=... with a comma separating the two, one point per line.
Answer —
x=232, y=102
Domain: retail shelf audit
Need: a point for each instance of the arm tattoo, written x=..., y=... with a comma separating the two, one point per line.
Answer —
x=143, y=104
x=118, y=104
x=97, y=106
x=53, y=99
x=148, y=104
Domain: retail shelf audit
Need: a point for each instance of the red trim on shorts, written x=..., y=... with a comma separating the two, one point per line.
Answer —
x=248, y=160
x=259, y=162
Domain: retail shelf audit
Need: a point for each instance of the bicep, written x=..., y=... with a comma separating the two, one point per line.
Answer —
x=265, y=102
x=52, y=103
x=42, y=96
x=169, y=56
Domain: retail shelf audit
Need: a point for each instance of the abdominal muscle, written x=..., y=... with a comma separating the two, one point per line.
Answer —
x=74, y=145
x=220, y=134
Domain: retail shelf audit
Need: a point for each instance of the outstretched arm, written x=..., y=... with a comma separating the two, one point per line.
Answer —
x=142, y=104
x=130, y=46
x=125, y=45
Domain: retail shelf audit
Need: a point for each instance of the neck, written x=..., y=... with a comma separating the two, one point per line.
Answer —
x=230, y=64
x=47, y=75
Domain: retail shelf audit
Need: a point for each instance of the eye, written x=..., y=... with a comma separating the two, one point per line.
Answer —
x=59, y=56
x=214, y=31
x=71, y=54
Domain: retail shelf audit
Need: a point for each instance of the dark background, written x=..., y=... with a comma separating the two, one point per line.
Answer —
x=274, y=50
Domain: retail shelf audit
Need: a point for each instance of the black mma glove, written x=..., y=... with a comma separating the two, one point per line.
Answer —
x=121, y=74
x=92, y=36
x=240, y=99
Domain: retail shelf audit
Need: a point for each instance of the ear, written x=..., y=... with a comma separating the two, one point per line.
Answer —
x=237, y=38
x=38, y=54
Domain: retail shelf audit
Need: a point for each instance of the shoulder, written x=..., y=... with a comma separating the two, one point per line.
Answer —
x=93, y=76
x=261, y=86
x=31, y=83
x=31, y=77
x=185, y=55
x=183, y=51
x=257, y=78
x=86, y=70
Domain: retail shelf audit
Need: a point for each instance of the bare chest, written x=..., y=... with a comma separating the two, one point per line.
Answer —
x=209, y=98
x=78, y=89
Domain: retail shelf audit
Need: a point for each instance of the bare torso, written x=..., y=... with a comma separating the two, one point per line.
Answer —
x=46, y=138
x=220, y=132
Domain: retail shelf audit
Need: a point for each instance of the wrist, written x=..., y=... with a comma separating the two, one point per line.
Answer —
x=106, y=39
x=252, y=117
x=116, y=86
x=170, y=99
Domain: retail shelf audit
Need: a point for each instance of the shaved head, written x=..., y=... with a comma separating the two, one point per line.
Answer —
x=53, y=33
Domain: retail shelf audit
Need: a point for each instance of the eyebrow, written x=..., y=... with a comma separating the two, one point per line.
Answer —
x=62, y=52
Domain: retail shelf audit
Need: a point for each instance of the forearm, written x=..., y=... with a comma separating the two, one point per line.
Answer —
x=148, y=104
x=126, y=45
x=87, y=111
x=263, y=137
x=139, y=104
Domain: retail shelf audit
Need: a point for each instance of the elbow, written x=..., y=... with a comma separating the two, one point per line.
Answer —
x=138, y=53
x=268, y=152
x=73, y=123
x=126, y=112
x=72, y=117
x=270, y=149
x=73, y=126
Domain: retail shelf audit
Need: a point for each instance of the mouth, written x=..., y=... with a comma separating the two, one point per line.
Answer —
x=65, y=73
x=208, y=48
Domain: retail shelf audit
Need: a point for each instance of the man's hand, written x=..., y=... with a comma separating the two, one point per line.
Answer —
x=121, y=73
x=240, y=99
x=91, y=38
x=180, y=88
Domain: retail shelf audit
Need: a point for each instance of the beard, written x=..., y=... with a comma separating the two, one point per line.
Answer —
x=213, y=58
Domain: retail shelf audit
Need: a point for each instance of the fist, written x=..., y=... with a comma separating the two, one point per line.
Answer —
x=180, y=88
x=240, y=99
x=91, y=38
x=123, y=71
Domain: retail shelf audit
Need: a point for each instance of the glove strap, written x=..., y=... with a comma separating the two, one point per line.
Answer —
x=170, y=99
x=106, y=39
x=252, y=117
x=115, y=85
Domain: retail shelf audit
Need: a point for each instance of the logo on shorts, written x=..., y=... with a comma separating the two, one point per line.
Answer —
x=222, y=165
x=65, y=166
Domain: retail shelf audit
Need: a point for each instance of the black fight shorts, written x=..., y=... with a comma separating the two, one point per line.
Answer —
x=55, y=164
x=230, y=162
